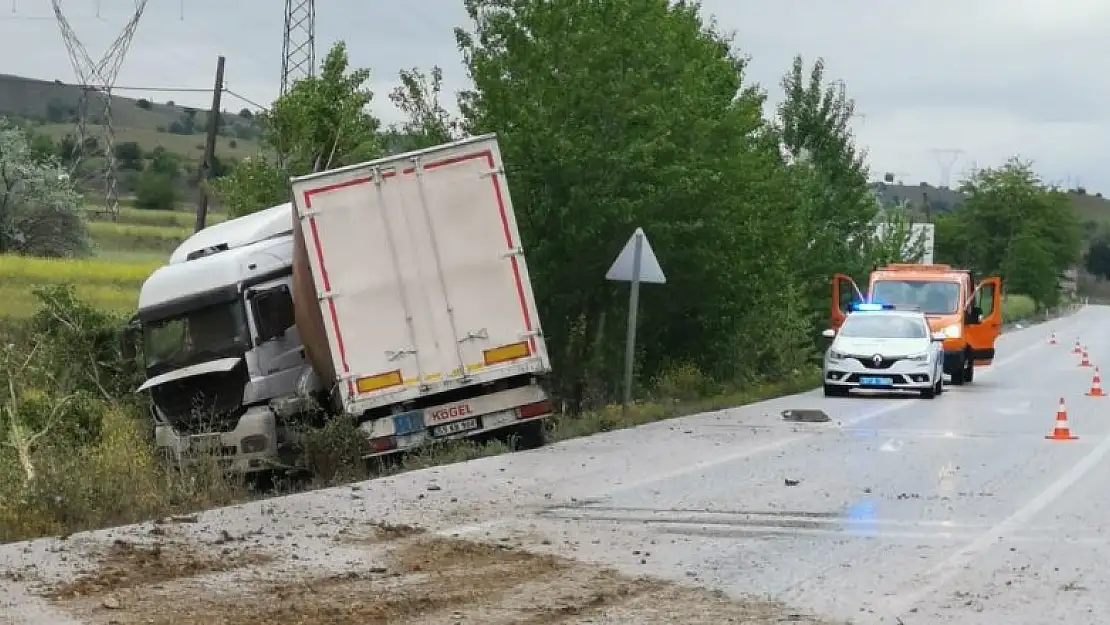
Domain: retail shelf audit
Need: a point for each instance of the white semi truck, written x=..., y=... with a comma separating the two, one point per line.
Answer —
x=395, y=291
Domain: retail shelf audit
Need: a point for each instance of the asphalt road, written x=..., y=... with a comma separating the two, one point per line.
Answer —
x=898, y=510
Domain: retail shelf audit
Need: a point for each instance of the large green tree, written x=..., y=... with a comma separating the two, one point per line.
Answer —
x=1013, y=225
x=321, y=122
x=833, y=215
x=426, y=122
x=613, y=115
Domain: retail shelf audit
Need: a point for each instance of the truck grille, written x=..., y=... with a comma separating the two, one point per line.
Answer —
x=203, y=403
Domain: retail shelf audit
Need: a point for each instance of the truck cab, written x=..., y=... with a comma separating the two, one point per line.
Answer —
x=220, y=344
x=969, y=314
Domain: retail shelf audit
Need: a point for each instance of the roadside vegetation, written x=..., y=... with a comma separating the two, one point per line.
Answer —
x=749, y=216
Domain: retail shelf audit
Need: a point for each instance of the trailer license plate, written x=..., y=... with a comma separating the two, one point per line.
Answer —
x=448, y=429
x=876, y=381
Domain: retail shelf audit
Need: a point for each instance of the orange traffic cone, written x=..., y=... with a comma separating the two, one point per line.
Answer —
x=1096, y=386
x=1052, y=339
x=1086, y=362
x=1061, y=432
x=1077, y=349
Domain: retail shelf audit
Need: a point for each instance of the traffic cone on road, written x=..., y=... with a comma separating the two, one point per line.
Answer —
x=1086, y=362
x=1061, y=432
x=1052, y=339
x=1077, y=349
x=1096, y=386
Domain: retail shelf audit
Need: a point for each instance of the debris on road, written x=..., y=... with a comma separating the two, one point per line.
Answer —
x=805, y=415
x=415, y=578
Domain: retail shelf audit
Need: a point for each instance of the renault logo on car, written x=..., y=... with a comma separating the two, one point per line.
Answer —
x=877, y=359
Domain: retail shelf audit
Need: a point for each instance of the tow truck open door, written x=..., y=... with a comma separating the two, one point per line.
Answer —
x=844, y=292
x=984, y=322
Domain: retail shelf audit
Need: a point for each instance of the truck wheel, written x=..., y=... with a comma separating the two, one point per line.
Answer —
x=969, y=369
x=531, y=435
x=958, y=371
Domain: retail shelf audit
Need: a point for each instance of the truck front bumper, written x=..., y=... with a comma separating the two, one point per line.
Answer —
x=250, y=448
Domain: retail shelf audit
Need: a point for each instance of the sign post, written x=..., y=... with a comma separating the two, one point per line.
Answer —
x=635, y=264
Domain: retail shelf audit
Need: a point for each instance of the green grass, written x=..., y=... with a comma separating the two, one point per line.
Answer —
x=105, y=283
x=109, y=237
x=1017, y=308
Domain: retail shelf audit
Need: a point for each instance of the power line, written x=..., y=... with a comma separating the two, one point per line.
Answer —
x=245, y=99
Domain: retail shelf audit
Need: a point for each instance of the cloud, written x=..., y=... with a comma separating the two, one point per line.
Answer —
x=992, y=77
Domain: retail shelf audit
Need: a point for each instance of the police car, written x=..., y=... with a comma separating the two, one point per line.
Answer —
x=881, y=348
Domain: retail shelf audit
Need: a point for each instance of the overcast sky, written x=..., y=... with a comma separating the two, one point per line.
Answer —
x=992, y=78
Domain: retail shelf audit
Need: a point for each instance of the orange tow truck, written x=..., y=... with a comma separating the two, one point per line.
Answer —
x=968, y=314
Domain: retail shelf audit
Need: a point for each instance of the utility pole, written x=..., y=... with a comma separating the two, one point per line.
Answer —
x=210, y=146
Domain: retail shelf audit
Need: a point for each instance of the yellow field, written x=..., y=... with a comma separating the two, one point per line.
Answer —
x=109, y=284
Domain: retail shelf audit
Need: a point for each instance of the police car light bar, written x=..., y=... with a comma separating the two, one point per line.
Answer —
x=869, y=306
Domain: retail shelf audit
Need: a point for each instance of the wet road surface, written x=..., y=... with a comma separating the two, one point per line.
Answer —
x=897, y=510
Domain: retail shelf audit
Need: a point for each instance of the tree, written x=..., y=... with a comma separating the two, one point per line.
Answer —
x=836, y=208
x=427, y=123
x=38, y=204
x=155, y=190
x=1097, y=259
x=633, y=113
x=321, y=122
x=129, y=156
x=1012, y=224
x=144, y=104
x=254, y=184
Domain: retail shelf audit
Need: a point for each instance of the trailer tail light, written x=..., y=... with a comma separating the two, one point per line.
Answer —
x=383, y=443
x=528, y=411
x=512, y=351
x=372, y=383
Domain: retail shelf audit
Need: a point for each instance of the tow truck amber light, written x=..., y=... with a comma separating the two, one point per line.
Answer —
x=512, y=351
x=528, y=411
x=377, y=382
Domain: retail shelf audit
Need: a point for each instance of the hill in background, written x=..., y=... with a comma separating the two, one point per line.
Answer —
x=51, y=108
x=924, y=199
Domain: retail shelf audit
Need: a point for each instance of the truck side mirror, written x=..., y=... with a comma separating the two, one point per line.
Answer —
x=829, y=333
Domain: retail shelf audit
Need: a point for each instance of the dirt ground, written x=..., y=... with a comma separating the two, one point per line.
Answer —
x=416, y=578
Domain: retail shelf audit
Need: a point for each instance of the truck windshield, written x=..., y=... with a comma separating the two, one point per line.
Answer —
x=932, y=297
x=217, y=331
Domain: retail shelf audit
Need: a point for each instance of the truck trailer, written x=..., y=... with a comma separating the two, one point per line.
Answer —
x=395, y=291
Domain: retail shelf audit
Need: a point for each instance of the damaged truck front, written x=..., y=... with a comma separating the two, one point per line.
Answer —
x=394, y=291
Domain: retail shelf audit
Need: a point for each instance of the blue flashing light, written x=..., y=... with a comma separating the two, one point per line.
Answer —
x=869, y=306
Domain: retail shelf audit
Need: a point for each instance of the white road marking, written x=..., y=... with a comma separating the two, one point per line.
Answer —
x=941, y=574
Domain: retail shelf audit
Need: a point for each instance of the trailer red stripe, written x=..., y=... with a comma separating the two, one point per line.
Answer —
x=502, y=211
x=327, y=288
x=509, y=242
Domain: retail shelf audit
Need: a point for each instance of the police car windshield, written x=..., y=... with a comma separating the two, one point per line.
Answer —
x=880, y=326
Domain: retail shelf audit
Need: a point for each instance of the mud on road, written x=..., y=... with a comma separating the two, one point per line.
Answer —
x=407, y=576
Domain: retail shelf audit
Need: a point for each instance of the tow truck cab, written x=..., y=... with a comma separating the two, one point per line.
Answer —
x=968, y=314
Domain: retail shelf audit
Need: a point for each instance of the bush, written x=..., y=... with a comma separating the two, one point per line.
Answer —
x=155, y=191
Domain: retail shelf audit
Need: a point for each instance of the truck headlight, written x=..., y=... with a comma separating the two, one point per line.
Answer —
x=952, y=331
